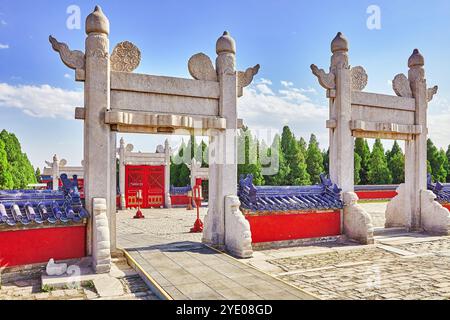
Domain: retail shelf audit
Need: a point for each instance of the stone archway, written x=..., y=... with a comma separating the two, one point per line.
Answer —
x=117, y=100
x=354, y=113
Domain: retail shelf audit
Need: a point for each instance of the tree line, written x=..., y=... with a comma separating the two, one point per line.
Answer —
x=286, y=161
x=291, y=161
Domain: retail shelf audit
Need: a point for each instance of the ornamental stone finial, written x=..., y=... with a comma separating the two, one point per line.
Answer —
x=97, y=22
x=226, y=44
x=416, y=59
x=122, y=142
x=55, y=158
x=339, y=43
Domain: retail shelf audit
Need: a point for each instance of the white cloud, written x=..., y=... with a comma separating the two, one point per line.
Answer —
x=4, y=46
x=289, y=106
x=3, y=22
x=264, y=89
x=265, y=81
x=67, y=76
x=286, y=83
x=41, y=101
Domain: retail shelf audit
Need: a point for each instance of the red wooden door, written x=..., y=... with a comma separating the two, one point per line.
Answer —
x=155, y=186
x=148, y=179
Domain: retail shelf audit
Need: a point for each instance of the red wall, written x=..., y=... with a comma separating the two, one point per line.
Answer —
x=179, y=200
x=366, y=195
x=281, y=227
x=39, y=245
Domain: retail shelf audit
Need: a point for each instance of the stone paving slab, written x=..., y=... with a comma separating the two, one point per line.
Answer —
x=185, y=268
x=201, y=273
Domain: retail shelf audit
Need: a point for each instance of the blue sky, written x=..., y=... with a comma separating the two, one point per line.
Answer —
x=38, y=93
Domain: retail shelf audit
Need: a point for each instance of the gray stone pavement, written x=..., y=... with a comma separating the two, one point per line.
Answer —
x=399, y=266
x=187, y=269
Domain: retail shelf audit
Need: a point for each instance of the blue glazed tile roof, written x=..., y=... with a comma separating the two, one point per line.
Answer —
x=41, y=206
x=180, y=190
x=324, y=196
x=441, y=190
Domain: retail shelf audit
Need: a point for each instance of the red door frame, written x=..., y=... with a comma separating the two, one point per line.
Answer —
x=149, y=179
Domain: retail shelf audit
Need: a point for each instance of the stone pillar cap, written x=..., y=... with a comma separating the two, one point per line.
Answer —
x=339, y=43
x=226, y=44
x=97, y=22
x=416, y=59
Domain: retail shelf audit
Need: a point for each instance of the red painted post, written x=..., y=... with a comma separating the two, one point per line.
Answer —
x=198, y=225
x=139, y=214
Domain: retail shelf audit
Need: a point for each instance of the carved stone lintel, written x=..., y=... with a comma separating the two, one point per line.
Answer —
x=125, y=57
x=359, y=78
x=401, y=86
x=201, y=68
x=245, y=78
x=326, y=80
x=431, y=92
x=74, y=59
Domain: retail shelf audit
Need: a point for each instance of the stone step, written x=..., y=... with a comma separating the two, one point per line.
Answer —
x=388, y=231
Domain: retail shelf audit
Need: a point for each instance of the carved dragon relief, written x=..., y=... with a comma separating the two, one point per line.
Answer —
x=125, y=57
x=245, y=78
x=431, y=92
x=402, y=88
x=201, y=68
x=74, y=59
x=326, y=80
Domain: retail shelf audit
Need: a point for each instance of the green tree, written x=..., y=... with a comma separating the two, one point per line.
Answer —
x=314, y=160
x=378, y=169
x=448, y=161
x=396, y=163
x=281, y=169
x=438, y=165
x=37, y=174
x=362, y=149
x=20, y=168
x=295, y=159
x=357, y=170
x=6, y=180
x=248, y=160
x=303, y=145
x=179, y=170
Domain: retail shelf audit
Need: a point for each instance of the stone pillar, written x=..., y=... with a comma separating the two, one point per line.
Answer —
x=341, y=139
x=223, y=149
x=113, y=190
x=168, y=201
x=122, y=173
x=55, y=173
x=97, y=134
x=416, y=157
